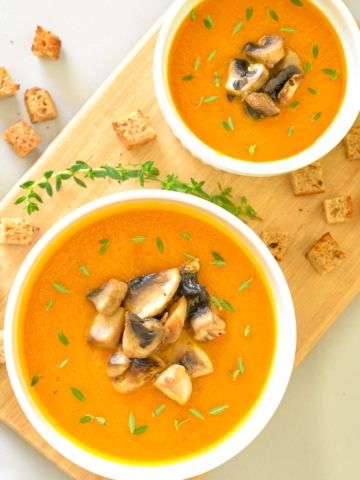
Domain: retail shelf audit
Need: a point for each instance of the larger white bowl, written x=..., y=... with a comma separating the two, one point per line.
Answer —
x=270, y=397
x=349, y=35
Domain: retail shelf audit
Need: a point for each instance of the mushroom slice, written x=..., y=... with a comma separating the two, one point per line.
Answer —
x=141, y=371
x=245, y=77
x=150, y=294
x=192, y=266
x=106, y=330
x=175, y=320
x=207, y=325
x=289, y=89
x=196, y=361
x=262, y=104
x=118, y=363
x=291, y=58
x=108, y=297
x=175, y=383
x=276, y=84
x=141, y=336
x=269, y=50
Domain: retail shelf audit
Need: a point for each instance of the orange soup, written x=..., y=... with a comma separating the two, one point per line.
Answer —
x=217, y=33
x=67, y=376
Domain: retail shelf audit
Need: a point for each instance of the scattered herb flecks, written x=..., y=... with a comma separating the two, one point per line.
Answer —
x=49, y=305
x=64, y=363
x=240, y=369
x=333, y=74
x=313, y=91
x=228, y=124
x=138, y=239
x=209, y=22
x=158, y=410
x=247, y=331
x=294, y=105
x=273, y=14
x=188, y=77
x=249, y=13
x=245, y=284
x=316, y=116
x=35, y=380
x=88, y=418
x=218, y=410
x=315, y=50
x=209, y=99
x=193, y=15
x=179, y=423
x=160, y=245
x=105, y=244
x=189, y=256
x=63, y=339
x=60, y=288
x=77, y=394
x=196, y=413
x=238, y=27
x=221, y=303
x=211, y=55
x=252, y=149
x=307, y=67
x=218, y=260
x=186, y=235
x=134, y=430
x=84, y=270
x=298, y=3
x=288, y=30
x=197, y=63
x=290, y=131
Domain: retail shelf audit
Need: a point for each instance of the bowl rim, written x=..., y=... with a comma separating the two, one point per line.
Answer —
x=244, y=433
x=342, y=122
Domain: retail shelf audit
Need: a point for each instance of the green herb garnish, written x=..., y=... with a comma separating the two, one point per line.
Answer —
x=240, y=369
x=273, y=14
x=179, y=423
x=294, y=105
x=77, y=394
x=288, y=30
x=64, y=363
x=218, y=410
x=138, y=239
x=217, y=79
x=60, y=288
x=188, y=77
x=193, y=15
x=35, y=380
x=210, y=99
x=189, y=256
x=218, y=260
x=49, y=305
x=132, y=426
x=209, y=22
x=158, y=410
x=249, y=13
x=290, y=131
x=196, y=413
x=84, y=270
x=245, y=285
x=63, y=339
x=315, y=50
x=316, y=116
x=298, y=3
x=228, y=124
x=211, y=55
x=221, y=303
x=105, y=243
x=307, y=67
x=252, y=149
x=186, y=235
x=238, y=27
x=88, y=418
x=197, y=63
x=333, y=74
x=313, y=91
x=247, y=331
x=160, y=245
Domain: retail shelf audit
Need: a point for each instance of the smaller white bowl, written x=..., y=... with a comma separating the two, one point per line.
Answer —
x=348, y=32
x=243, y=434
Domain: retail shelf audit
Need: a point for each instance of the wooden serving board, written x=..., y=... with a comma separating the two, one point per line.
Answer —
x=90, y=137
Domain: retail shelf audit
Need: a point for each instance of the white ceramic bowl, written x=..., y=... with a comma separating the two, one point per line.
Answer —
x=348, y=32
x=265, y=407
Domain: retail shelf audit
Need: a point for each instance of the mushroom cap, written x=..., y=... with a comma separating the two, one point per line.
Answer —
x=207, y=325
x=276, y=84
x=289, y=89
x=175, y=320
x=118, y=363
x=175, y=383
x=262, y=104
x=105, y=332
x=269, y=50
x=141, y=371
x=108, y=297
x=141, y=336
x=245, y=77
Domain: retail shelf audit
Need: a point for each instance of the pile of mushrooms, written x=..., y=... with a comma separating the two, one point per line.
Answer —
x=267, y=78
x=152, y=324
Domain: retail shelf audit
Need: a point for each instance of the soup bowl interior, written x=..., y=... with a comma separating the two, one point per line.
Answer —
x=270, y=397
x=348, y=32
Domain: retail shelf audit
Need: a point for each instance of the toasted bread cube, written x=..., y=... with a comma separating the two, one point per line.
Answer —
x=277, y=243
x=2, y=354
x=46, y=44
x=134, y=130
x=40, y=105
x=308, y=180
x=352, y=143
x=16, y=231
x=338, y=209
x=22, y=137
x=325, y=255
x=7, y=87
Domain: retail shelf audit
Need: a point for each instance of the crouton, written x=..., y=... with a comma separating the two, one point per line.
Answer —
x=277, y=243
x=2, y=354
x=338, y=209
x=308, y=180
x=325, y=254
x=22, y=137
x=40, y=105
x=7, y=87
x=134, y=130
x=16, y=231
x=352, y=143
x=46, y=44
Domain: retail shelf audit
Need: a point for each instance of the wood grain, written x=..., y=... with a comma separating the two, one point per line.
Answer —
x=89, y=137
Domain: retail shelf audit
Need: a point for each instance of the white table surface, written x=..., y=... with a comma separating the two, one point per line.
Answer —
x=314, y=435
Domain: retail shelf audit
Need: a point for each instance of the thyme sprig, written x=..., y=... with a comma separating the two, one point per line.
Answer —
x=147, y=172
